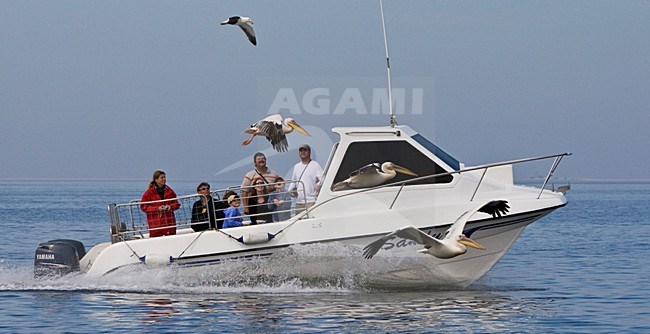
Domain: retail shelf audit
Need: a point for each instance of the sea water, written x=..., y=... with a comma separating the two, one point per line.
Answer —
x=583, y=268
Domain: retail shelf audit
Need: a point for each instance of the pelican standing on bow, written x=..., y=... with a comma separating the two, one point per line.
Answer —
x=275, y=131
x=372, y=175
x=454, y=242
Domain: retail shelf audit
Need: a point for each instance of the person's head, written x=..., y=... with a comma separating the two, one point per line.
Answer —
x=259, y=188
x=203, y=188
x=279, y=183
x=304, y=152
x=233, y=200
x=259, y=159
x=228, y=194
x=159, y=178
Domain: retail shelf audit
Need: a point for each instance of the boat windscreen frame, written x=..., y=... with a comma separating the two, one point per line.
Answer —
x=331, y=157
x=437, y=151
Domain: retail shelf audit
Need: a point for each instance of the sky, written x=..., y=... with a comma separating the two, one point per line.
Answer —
x=118, y=89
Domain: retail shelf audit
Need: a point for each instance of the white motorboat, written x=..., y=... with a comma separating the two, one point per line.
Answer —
x=431, y=201
x=377, y=181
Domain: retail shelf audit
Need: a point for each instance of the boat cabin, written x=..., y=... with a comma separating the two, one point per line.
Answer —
x=400, y=145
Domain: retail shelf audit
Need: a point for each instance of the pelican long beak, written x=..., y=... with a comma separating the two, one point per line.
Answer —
x=471, y=243
x=403, y=170
x=298, y=128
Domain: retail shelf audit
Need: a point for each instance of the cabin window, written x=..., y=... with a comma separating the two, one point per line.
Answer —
x=399, y=152
x=437, y=151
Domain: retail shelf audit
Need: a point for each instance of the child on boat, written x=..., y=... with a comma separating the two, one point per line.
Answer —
x=233, y=216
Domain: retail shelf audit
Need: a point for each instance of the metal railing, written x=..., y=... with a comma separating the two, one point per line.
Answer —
x=556, y=162
x=128, y=221
x=135, y=224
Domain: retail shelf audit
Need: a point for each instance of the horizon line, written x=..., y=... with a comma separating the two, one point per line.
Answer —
x=532, y=179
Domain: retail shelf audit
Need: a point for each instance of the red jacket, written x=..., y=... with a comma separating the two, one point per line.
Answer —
x=157, y=218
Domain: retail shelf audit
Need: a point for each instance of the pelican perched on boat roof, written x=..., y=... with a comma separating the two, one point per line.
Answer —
x=372, y=175
x=454, y=242
x=275, y=131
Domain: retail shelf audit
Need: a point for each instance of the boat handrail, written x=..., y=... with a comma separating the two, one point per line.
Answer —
x=558, y=157
x=374, y=132
x=135, y=225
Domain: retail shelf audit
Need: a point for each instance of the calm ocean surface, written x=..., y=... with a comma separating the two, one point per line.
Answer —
x=582, y=269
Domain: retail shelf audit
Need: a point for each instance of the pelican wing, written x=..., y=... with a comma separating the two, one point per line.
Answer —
x=270, y=126
x=269, y=129
x=408, y=232
x=367, y=169
x=279, y=143
x=343, y=185
x=275, y=118
x=458, y=226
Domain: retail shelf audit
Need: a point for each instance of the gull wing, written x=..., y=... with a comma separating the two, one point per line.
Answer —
x=408, y=232
x=458, y=226
x=250, y=33
x=231, y=20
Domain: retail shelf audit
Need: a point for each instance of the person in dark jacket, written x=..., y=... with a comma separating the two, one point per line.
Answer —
x=160, y=214
x=203, y=213
x=200, y=219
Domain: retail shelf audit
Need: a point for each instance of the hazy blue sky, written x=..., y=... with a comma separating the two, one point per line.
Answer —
x=117, y=89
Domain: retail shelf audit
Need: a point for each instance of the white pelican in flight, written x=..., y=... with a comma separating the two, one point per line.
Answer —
x=275, y=131
x=371, y=175
x=454, y=242
x=243, y=23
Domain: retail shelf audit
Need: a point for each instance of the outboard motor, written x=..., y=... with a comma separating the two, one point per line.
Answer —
x=58, y=257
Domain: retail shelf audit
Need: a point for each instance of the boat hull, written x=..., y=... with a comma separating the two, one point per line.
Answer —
x=397, y=265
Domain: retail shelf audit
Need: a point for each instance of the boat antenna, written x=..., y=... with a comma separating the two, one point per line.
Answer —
x=393, y=121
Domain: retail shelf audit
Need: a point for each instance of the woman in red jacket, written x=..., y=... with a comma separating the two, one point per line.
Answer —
x=160, y=214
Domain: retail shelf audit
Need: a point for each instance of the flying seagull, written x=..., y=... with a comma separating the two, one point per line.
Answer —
x=371, y=175
x=243, y=23
x=454, y=242
x=275, y=131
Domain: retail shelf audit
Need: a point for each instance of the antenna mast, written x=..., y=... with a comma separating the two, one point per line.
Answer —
x=393, y=121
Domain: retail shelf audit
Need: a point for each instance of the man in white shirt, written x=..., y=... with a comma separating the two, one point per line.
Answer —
x=309, y=173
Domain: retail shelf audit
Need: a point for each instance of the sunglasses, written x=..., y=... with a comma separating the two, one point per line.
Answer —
x=204, y=188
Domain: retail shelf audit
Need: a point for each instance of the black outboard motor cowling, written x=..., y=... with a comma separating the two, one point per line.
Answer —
x=58, y=257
